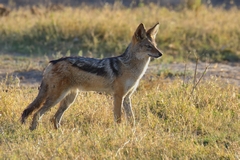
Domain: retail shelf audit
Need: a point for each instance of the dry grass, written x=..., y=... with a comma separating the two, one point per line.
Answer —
x=212, y=32
x=171, y=122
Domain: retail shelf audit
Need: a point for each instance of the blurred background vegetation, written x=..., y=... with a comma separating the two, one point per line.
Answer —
x=127, y=3
x=188, y=28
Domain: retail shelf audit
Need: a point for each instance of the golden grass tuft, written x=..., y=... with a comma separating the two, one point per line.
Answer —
x=170, y=123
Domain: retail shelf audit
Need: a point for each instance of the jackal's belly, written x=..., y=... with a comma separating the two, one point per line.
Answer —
x=94, y=83
x=97, y=88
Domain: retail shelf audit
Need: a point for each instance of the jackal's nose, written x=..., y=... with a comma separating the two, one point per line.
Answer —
x=160, y=53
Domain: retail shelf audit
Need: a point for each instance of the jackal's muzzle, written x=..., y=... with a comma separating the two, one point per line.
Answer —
x=158, y=54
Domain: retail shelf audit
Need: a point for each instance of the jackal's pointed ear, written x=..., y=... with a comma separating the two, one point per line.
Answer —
x=140, y=33
x=152, y=32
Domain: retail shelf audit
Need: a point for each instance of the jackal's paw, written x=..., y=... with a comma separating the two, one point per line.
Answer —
x=32, y=127
x=55, y=123
x=23, y=120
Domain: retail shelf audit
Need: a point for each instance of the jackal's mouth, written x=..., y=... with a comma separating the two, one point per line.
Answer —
x=155, y=56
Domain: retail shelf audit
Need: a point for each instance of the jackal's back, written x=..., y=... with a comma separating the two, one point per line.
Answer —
x=84, y=73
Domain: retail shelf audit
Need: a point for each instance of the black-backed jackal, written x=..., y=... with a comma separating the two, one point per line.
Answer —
x=119, y=76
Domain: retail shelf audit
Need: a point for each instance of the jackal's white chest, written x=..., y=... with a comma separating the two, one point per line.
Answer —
x=131, y=84
x=144, y=69
x=141, y=70
x=136, y=73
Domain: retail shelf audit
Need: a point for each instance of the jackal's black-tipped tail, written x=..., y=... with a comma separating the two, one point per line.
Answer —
x=36, y=103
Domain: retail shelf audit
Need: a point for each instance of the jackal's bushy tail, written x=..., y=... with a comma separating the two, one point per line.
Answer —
x=41, y=97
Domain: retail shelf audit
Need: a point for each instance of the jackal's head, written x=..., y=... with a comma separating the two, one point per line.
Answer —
x=143, y=42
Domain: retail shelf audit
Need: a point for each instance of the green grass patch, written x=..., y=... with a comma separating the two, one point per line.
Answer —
x=107, y=31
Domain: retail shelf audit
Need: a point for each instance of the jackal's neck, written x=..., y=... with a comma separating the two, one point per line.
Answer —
x=130, y=60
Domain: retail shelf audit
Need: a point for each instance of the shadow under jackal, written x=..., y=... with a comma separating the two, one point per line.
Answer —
x=119, y=76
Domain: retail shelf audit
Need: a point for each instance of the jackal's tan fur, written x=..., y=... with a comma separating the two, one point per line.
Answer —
x=119, y=76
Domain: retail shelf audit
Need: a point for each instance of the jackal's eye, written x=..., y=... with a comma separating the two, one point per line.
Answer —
x=149, y=46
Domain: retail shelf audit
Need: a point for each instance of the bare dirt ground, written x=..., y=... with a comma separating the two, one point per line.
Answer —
x=228, y=72
x=16, y=73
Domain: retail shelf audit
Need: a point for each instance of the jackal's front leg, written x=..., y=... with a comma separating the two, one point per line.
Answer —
x=128, y=110
x=118, y=100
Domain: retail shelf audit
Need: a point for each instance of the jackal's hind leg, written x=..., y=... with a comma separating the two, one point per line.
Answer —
x=51, y=101
x=64, y=105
